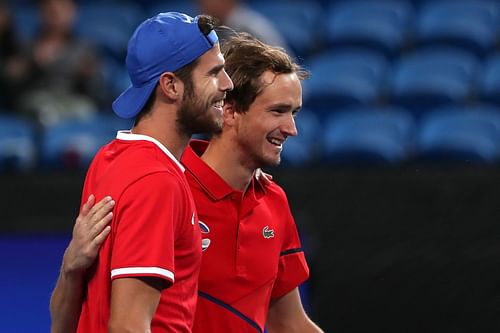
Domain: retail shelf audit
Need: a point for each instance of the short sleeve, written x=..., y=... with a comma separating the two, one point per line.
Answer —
x=144, y=232
x=293, y=269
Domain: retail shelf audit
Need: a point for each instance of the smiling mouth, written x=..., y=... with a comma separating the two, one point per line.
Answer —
x=218, y=104
x=276, y=142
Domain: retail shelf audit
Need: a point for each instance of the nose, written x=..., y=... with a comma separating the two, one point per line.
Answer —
x=226, y=84
x=289, y=128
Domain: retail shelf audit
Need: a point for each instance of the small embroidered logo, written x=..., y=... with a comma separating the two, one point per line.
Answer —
x=267, y=233
x=205, y=242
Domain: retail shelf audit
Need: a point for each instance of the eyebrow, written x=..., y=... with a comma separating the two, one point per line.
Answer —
x=216, y=69
x=284, y=106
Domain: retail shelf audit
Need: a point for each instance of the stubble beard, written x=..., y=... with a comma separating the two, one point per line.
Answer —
x=194, y=116
x=254, y=158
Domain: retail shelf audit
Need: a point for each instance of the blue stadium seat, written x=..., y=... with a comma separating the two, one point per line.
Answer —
x=109, y=25
x=344, y=78
x=296, y=20
x=381, y=25
x=469, y=24
x=489, y=83
x=115, y=75
x=303, y=149
x=430, y=78
x=369, y=136
x=72, y=144
x=17, y=144
x=460, y=134
x=112, y=122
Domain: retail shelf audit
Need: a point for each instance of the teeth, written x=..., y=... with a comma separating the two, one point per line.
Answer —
x=219, y=104
x=275, y=142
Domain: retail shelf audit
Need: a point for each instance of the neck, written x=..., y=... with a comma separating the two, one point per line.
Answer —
x=223, y=156
x=163, y=129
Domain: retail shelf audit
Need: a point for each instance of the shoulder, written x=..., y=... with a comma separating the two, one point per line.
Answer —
x=159, y=191
x=144, y=165
x=146, y=157
x=274, y=189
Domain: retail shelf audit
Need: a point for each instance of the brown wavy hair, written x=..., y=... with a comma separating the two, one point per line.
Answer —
x=247, y=59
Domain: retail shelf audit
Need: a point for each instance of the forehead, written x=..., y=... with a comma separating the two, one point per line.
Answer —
x=280, y=89
x=210, y=59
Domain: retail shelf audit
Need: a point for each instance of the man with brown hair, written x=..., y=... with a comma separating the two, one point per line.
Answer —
x=252, y=261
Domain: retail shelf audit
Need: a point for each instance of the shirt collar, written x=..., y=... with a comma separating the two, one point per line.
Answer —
x=129, y=136
x=211, y=182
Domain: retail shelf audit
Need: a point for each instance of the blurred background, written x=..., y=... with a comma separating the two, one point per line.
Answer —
x=394, y=179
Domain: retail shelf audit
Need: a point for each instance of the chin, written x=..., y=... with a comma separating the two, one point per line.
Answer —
x=270, y=162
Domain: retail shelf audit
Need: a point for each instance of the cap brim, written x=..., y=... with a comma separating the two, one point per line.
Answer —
x=132, y=100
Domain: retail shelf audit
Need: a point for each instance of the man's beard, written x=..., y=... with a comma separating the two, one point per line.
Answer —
x=194, y=116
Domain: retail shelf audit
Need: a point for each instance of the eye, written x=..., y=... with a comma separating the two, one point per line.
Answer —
x=295, y=112
x=216, y=71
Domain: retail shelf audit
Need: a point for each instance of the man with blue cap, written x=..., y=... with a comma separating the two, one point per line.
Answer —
x=145, y=278
x=253, y=260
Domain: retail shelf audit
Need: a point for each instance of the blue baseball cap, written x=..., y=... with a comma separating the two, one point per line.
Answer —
x=163, y=43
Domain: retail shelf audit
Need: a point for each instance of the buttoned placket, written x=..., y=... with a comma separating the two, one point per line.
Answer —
x=244, y=205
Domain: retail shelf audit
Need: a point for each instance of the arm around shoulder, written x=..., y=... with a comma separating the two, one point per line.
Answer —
x=90, y=231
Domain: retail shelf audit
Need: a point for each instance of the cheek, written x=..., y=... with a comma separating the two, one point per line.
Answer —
x=215, y=86
x=209, y=90
x=254, y=131
x=209, y=84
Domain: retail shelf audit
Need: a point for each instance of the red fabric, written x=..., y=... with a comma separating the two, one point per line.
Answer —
x=241, y=267
x=154, y=232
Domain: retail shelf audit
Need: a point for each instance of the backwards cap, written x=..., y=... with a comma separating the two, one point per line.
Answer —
x=163, y=43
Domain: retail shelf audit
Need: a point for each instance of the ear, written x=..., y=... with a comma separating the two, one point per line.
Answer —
x=229, y=113
x=171, y=86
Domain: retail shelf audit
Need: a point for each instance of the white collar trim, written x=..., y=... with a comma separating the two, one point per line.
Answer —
x=129, y=136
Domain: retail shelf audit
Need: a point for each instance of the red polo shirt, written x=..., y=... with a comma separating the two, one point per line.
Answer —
x=154, y=231
x=252, y=252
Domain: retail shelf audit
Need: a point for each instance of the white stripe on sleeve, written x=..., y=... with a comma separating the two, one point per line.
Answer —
x=141, y=271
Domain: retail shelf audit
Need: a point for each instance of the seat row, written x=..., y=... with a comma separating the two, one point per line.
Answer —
x=353, y=136
x=418, y=81
x=69, y=144
x=388, y=26
x=391, y=135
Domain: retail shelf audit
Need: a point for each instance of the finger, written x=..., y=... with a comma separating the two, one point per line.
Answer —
x=86, y=206
x=99, y=239
x=100, y=204
x=102, y=211
x=101, y=225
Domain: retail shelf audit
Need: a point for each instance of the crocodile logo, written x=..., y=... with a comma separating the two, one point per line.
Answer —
x=267, y=233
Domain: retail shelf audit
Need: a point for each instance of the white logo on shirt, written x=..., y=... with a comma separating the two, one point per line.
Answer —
x=205, y=242
x=192, y=219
